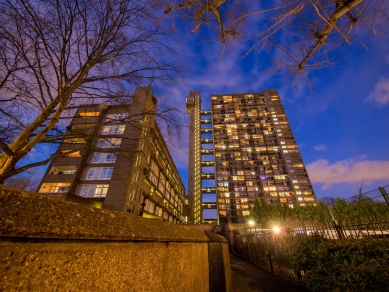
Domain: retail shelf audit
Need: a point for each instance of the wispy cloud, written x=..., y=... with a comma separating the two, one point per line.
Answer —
x=381, y=92
x=320, y=147
x=347, y=171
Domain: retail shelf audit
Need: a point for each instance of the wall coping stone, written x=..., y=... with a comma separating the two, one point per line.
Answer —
x=27, y=215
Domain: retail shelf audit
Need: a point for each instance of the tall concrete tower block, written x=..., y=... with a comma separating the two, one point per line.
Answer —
x=255, y=156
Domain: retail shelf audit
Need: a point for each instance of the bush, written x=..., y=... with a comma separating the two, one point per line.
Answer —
x=341, y=265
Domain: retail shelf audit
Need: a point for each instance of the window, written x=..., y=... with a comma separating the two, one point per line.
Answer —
x=117, y=116
x=88, y=114
x=109, y=143
x=149, y=206
x=96, y=157
x=76, y=140
x=110, y=158
x=106, y=173
x=115, y=142
x=105, y=130
x=91, y=173
x=120, y=116
x=154, y=167
x=101, y=190
x=119, y=129
x=85, y=191
x=153, y=178
x=158, y=211
x=58, y=189
x=54, y=189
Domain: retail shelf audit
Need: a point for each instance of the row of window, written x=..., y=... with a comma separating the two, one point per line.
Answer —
x=93, y=191
x=98, y=157
x=113, y=130
x=94, y=173
x=108, y=142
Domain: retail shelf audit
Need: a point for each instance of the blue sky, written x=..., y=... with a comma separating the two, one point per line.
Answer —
x=340, y=122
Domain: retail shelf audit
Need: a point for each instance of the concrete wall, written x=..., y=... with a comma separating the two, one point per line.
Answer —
x=48, y=245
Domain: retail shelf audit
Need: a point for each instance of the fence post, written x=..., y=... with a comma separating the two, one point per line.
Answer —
x=385, y=195
x=270, y=261
x=339, y=229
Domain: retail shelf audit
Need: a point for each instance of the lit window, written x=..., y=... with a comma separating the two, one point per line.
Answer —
x=101, y=190
x=105, y=130
x=106, y=172
x=75, y=140
x=109, y=143
x=119, y=129
x=88, y=114
x=115, y=142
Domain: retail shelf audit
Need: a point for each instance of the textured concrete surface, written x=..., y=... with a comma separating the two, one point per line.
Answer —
x=31, y=215
x=53, y=245
x=247, y=277
x=104, y=267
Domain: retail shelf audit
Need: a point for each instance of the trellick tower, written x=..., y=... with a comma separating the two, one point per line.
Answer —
x=255, y=156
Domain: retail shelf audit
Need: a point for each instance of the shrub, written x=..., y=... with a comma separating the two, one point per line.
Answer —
x=341, y=265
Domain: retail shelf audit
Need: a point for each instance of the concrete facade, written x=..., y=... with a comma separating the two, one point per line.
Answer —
x=115, y=157
x=193, y=102
x=255, y=156
x=51, y=244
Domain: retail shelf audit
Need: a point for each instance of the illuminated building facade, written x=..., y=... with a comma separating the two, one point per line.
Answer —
x=115, y=157
x=255, y=155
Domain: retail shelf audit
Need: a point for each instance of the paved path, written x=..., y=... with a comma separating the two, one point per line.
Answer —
x=247, y=277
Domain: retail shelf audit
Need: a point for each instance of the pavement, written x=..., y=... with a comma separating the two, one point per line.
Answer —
x=247, y=277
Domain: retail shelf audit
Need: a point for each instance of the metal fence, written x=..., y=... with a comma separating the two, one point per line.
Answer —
x=377, y=195
x=367, y=217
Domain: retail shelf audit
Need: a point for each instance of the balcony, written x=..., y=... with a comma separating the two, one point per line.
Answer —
x=207, y=141
x=205, y=131
x=54, y=189
x=210, y=190
x=207, y=151
x=63, y=169
x=207, y=163
x=205, y=176
x=209, y=205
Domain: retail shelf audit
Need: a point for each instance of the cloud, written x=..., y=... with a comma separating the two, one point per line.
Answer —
x=347, y=171
x=381, y=92
x=320, y=147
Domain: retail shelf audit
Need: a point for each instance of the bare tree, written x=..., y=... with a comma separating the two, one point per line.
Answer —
x=28, y=181
x=58, y=54
x=307, y=33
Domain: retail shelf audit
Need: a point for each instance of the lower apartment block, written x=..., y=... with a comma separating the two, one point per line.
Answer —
x=114, y=157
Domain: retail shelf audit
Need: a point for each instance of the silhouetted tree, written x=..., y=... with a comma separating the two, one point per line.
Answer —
x=306, y=32
x=56, y=55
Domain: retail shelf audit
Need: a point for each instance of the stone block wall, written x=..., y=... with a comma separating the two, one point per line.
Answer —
x=53, y=245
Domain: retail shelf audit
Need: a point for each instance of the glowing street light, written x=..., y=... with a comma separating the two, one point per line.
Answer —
x=276, y=229
x=251, y=222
